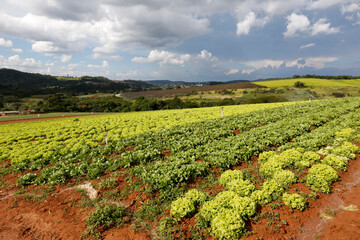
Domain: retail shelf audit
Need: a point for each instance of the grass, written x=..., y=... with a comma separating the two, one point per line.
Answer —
x=311, y=82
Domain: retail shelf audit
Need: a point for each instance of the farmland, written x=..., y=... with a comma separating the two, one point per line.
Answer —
x=181, y=173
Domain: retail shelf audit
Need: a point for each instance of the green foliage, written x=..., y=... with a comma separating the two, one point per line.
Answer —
x=269, y=168
x=104, y=217
x=227, y=225
x=345, y=133
x=230, y=175
x=26, y=179
x=320, y=177
x=186, y=206
x=227, y=213
x=182, y=207
x=347, y=149
x=243, y=188
x=265, y=156
x=289, y=157
x=294, y=201
x=336, y=162
x=285, y=178
x=299, y=84
x=307, y=159
x=270, y=192
x=196, y=196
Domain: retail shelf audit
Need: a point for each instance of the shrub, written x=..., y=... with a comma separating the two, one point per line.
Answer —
x=294, y=201
x=320, y=177
x=338, y=163
x=241, y=187
x=229, y=175
x=299, y=84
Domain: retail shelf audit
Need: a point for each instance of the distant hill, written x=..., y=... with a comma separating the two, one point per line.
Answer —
x=189, y=90
x=13, y=82
x=168, y=83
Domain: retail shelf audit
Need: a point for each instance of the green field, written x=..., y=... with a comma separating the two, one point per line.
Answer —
x=40, y=115
x=311, y=82
x=187, y=172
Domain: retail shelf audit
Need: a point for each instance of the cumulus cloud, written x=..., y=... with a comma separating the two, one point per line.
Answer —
x=232, y=71
x=307, y=45
x=170, y=58
x=16, y=50
x=250, y=21
x=296, y=23
x=104, y=65
x=5, y=43
x=16, y=62
x=300, y=23
x=322, y=26
x=313, y=62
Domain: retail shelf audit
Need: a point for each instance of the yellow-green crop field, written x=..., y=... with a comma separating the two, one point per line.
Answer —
x=34, y=140
x=311, y=82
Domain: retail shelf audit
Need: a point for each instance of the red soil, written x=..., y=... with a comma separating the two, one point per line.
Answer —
x=318, y=221
x=61, y=215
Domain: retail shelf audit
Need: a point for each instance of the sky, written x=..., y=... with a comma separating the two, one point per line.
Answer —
x=183, y=40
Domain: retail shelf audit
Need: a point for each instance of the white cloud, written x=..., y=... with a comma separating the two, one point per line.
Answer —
x=350, y=8
x=296, y=23
x=247, y=71
x=65, y=58
x=16, y=50
x=16, y=62
x=104, y=65
x=352, y=12
x=170, y=58
x=162, y=57
x=264, y=63
x=300, y=23
x=313, y=62
x=307, y=45
x=232, y=71
x=323, y=4
x=250, y=21
x=322, y=26
x=5, y=43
